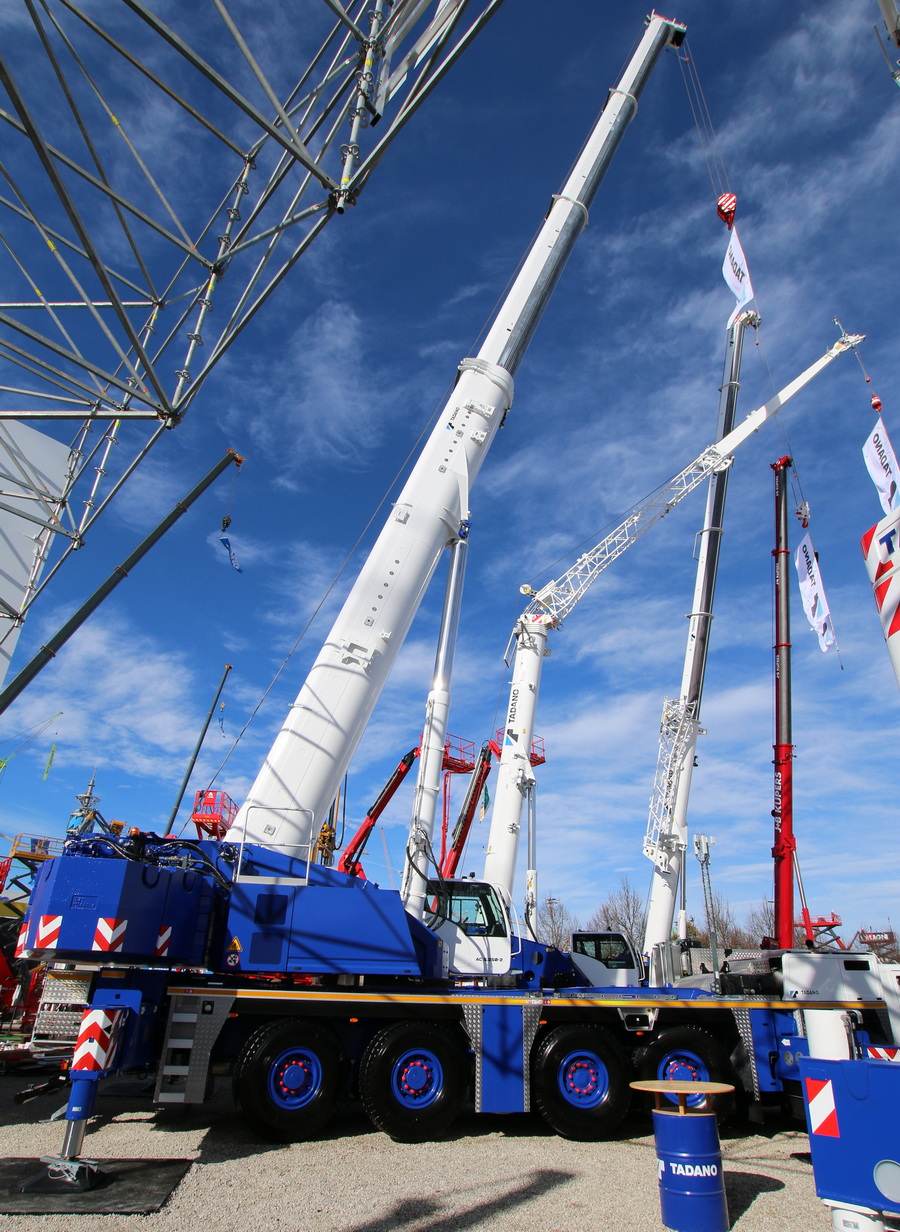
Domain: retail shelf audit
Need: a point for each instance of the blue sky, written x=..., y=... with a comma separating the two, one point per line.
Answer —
x=328, y=390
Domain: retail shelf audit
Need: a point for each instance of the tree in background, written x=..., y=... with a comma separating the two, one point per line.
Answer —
x=622, y=911
x=556, y=924
x=760, y=922
x=723, y=923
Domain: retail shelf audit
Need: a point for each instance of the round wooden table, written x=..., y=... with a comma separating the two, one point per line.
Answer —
x=663, y=1086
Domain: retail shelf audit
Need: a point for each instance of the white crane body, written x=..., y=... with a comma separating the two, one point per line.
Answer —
x=550, y=605
x=301, y=774
x=515, y=776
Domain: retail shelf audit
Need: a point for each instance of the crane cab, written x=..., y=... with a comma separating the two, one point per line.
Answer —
x=606, y=959
x=472, y=921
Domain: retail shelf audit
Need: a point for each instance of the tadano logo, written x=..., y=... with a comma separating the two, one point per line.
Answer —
x=686, y=1169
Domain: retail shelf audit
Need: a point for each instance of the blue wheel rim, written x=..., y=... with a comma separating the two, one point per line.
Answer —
x=583, y=1079
x=684, y=1066
x=295, y=1078
x=417, y=1078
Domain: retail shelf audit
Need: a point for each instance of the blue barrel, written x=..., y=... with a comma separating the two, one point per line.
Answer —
x=689, y=1164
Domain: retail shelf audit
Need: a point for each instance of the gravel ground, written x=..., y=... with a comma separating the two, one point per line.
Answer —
x=504, y=1173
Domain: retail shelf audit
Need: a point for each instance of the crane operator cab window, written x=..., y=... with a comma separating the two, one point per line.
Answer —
x=604, y=959
x=609, y=948
x=473, y=926
x=473, y=906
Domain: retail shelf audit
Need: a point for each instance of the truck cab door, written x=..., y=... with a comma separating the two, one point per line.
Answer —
x=471, y=920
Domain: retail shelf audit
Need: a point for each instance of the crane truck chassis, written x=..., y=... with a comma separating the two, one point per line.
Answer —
x=416, y=1050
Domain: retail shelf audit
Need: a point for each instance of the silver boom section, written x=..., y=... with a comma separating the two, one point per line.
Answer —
x=304, y=767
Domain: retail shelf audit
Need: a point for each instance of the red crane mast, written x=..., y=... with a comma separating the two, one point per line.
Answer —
x=783, y=811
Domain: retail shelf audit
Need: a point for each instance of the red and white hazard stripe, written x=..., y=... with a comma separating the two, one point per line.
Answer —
x=48, y=932
x=881, y=548
x=823, y=1118
x=883, y=1054
x=20, y=943
x=885, y=582
x=97, y=1039
x=109, y=934
x=162, y=941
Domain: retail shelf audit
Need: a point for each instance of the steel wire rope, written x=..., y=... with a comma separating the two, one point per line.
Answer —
x=717, y=170
x=706, y=130
x=27, y=737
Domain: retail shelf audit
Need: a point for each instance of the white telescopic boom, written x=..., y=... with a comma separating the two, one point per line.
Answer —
x=311, y=753
x=552, y=604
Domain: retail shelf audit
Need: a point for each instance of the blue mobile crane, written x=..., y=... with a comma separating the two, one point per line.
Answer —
x=311, y=985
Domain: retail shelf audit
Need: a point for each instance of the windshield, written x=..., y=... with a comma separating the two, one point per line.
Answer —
x=473, y=905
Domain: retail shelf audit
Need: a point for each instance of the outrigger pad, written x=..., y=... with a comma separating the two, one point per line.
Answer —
x=122, y=1187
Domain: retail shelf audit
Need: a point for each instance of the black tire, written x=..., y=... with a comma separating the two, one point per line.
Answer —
x=580, y=1082
x=412, y=1080
x=286, y=1079
x=690, y=1054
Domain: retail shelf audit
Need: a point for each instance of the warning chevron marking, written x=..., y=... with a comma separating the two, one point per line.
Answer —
x=109, y=934
x=162, y=940
x=48, y=932
x=97, y=1039
x=823, y=1118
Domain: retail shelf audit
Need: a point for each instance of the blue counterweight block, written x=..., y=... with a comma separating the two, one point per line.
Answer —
x=88, y=906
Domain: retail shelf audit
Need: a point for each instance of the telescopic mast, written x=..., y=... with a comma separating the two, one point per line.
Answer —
x=311, y=753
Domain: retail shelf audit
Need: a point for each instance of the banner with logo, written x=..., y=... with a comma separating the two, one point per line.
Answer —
x=812, y=592
x=736, y=274
x=881, y=464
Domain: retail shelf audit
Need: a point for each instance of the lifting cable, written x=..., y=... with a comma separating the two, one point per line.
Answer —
x=226, y=522
x=874, y=400
x=706, y=131
x=726, y=202
x=28, y=737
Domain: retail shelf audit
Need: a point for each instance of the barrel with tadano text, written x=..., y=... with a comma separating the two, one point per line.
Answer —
x=689, y=1165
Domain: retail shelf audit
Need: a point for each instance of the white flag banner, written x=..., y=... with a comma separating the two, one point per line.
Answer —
x=812, y=592
x=736, y=274
x=882, y=467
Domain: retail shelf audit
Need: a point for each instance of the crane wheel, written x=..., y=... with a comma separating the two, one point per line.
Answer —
x=690, y=1054
x=286, y=1079
x=412, y=1081
x=580, y=1082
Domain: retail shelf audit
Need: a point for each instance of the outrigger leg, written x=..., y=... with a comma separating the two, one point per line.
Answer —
x=98, y=1040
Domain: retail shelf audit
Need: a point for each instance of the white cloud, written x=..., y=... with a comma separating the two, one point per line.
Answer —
x=128, y=703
